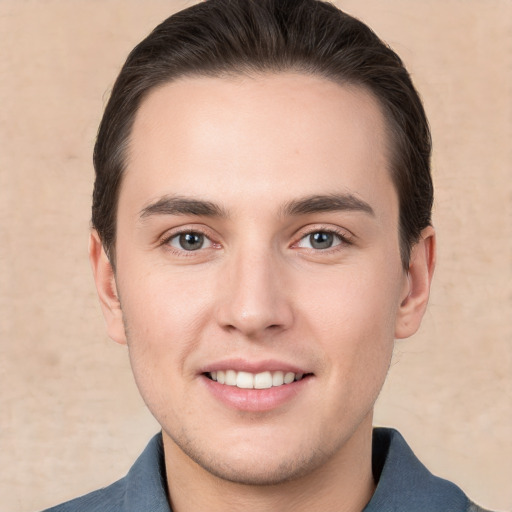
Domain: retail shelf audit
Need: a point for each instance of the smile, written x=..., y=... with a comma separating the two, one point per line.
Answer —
x=247, y=380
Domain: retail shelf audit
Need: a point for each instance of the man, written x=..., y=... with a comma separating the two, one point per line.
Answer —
x=261, y=236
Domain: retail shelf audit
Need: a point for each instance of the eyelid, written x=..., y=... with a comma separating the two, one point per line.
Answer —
x=345, y=236
x=176, y=238
x=343, y=233
x=164, y=240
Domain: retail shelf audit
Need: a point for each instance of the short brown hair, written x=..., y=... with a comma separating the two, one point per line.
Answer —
x=219, y=37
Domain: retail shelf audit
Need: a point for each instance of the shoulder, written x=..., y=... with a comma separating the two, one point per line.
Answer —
x=143, y=488
x=108, y=499
x=473, y=507
x=405, y=484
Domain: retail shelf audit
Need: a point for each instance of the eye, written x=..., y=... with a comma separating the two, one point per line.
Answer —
x=319, y=240
x=189, y=241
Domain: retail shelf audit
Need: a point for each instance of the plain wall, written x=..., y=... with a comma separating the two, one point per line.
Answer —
x=71, y=419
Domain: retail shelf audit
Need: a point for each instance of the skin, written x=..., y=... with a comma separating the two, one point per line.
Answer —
x=255, y=149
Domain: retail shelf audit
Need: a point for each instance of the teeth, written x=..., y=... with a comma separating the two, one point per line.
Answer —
x=263, y=380
x=278, y=379
x=231, y=378
x=246, y=380
x=289, y=377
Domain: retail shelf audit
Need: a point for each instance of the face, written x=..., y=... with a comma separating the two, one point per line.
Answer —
x=258, y=270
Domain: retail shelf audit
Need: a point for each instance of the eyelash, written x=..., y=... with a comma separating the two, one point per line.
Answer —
x=345, y=239
x=343, y=235
x=165, y=241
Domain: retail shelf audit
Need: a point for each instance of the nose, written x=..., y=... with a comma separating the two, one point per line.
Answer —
x=254, y=301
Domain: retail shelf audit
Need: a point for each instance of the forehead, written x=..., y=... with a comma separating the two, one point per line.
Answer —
x=268, y=136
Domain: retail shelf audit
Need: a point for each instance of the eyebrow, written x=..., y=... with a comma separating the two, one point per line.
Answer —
x=326, y=203
x=179, y=205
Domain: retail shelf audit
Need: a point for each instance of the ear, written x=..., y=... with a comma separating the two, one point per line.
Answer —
x=417, y=288
x=106, y=287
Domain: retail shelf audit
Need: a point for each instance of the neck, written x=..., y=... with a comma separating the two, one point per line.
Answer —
x=343, y=484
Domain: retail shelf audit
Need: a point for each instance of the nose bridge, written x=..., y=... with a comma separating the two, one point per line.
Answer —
x=254, y=299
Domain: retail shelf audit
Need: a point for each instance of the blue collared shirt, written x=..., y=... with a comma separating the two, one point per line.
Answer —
x=403, y=484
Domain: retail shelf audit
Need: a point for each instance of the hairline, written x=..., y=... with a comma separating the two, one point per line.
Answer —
x=253, y=71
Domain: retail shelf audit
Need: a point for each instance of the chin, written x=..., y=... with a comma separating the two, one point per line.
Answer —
x=253, y=464
x=258, y=472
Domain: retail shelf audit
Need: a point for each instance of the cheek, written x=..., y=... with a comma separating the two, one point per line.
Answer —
x=352, y=301
x=164, y=317
x=163, y=307
x=353, y=316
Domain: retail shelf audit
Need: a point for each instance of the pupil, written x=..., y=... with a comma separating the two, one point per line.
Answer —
x=321, y=240
x=191, y=241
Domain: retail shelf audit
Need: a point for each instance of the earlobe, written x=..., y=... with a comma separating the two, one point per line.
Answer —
x=417, y=289
x=106, y=287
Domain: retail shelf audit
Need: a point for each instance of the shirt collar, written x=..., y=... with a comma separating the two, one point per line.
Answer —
x=403, y=483
x=146, y=482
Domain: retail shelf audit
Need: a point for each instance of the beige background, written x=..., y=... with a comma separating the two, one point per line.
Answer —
x=71, y=419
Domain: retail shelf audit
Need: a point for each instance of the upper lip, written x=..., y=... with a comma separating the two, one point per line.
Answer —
x=243, y=365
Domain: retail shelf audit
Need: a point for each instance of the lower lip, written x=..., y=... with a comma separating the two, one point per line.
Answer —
x=255, y=400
